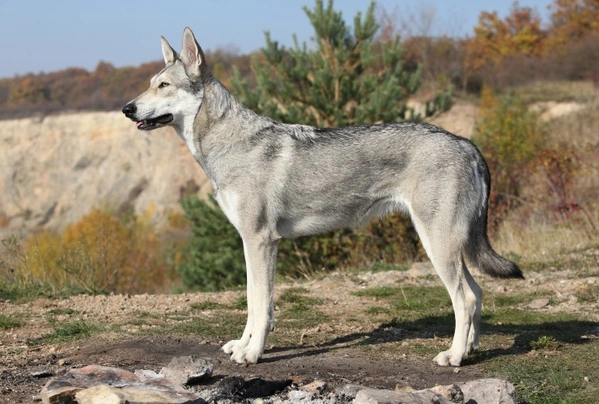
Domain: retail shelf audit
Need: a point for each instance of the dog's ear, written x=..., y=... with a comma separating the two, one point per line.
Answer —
x=192, y=55
x=168, y=52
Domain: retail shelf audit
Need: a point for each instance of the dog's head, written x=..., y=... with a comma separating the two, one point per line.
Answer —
x=176, y=92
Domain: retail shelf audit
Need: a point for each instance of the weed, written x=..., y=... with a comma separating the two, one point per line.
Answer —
x=59, y=311
x=241, y=303
x=544, y=342
x=206, y=305
x=298, y=296
x=409, y=298
x=588, y=293
x=147, y=314
x=379, y=291
x=384, y=266
x=68, y=331
x=208, y=327
x=378, y=310
x=6, y=322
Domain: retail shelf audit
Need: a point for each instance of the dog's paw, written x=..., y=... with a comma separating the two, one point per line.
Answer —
x=233, y=346
x=246, y=356
x=446, y=358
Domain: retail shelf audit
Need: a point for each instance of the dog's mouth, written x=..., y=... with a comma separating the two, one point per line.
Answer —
x=149, y=124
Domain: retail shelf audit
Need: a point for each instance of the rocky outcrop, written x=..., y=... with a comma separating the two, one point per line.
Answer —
x=189, y=380
x=53, y=170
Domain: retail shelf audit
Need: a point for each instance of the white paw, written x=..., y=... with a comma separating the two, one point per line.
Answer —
x=446, y=358
x=246, y=355
x=233, y=346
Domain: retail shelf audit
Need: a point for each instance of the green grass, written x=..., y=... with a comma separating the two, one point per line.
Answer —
x=68, y=331
x=206, y=305
x=298, y=296
x=379, y=291
x=209, y=327
x=59, y=311
x=545, y=355
x=383, y=266
x=544, y=342
x=551, y=376
x=7, y=322
x=378, y=310
x=241, y=303
x=299, y=310
x=409, y=302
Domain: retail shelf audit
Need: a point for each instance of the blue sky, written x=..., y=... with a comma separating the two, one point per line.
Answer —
x=43, y=35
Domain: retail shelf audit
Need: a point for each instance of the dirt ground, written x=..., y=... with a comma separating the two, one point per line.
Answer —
x=337, y=356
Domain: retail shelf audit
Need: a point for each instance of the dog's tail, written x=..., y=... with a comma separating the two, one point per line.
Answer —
x=481, y=255
x=478, y=250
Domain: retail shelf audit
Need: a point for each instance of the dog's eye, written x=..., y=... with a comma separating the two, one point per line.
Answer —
x=163, y=84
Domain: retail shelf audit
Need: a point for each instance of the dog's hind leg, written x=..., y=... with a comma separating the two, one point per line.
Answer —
x=474, y=334
x=466, y=302
x=444, y=250
x=260, y=257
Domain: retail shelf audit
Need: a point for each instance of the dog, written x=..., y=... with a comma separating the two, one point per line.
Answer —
x=275, y=180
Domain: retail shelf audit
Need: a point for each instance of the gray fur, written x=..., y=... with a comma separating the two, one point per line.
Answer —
x=276, y=180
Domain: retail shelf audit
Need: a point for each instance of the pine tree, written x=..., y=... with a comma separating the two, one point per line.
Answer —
x=347, y=79
x=213, y=256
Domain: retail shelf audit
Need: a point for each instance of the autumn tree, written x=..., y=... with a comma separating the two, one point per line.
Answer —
x=572, y=20
x=496, y=39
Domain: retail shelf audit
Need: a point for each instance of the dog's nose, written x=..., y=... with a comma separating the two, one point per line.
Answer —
x=129, y=109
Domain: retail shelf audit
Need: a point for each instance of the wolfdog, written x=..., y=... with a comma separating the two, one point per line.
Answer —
x=275, y=180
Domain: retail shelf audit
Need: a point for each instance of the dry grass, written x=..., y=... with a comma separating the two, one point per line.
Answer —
x=557, y=220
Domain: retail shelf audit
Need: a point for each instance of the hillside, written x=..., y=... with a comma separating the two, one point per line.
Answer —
x=53, y=170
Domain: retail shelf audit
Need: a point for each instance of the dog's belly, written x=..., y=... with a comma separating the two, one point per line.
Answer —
x=307, y=225
x=306, y=221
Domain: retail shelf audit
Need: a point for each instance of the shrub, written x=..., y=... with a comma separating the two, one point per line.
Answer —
x=510, y=137
x=213, y=256
x=102, y=252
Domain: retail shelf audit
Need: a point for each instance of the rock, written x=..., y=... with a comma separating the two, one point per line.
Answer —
x=538, y=303
x=134, y=395
x=145, y=375
x=316, y=387
x=56, y=395
x=187, y=370
x=101, y=384
x=492, y=391
x=101, y=394
x=63, y=388
x=300, y=396
x=483, y=391
x=451, y=392
x=374, y=396
x=421, y=269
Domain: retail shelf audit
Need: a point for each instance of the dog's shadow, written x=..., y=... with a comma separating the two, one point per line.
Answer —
x=559, y=331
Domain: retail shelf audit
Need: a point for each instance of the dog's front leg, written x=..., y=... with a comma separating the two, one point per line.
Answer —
x=260, y=259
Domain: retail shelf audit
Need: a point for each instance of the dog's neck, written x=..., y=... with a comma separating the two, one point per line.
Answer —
x=221, y=123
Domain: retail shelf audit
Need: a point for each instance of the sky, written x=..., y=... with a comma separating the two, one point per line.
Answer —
x=45, y=35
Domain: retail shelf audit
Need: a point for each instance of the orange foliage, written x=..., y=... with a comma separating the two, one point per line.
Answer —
x=101, y=252
x=572, y=20
x=495, y=39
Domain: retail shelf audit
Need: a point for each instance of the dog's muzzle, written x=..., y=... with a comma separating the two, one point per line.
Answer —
x=146, y=124
x=129, y=110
